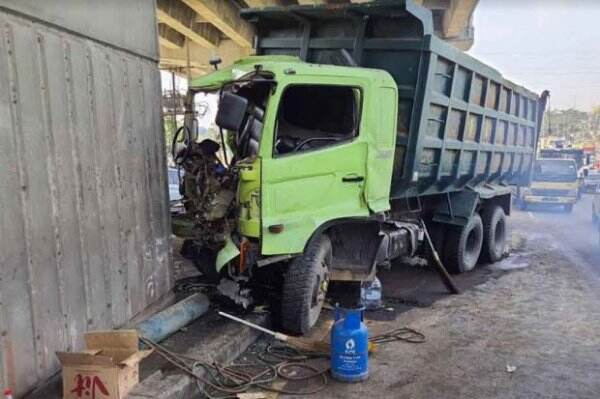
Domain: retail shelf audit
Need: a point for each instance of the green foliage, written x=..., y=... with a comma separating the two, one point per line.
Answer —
x=572, y=124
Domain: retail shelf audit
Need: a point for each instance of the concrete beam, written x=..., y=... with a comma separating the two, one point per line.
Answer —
x=169, y=37
x=167, y=62
x=225, y=16
x=437, y=4
x=312, y=2
x=183, y=19
x=263, y=3
x=457, y=20
x=227, y=50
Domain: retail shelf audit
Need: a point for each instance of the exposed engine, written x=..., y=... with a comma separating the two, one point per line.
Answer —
x=209, y=193
x=208, y=189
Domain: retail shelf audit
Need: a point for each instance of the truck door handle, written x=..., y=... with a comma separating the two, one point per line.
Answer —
x=352, y=179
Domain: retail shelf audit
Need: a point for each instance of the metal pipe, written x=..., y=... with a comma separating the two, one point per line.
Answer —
x=439, y=266
x=276, y=335
x=173, y=318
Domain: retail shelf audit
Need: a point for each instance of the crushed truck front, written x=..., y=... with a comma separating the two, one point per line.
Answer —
x=316, y=145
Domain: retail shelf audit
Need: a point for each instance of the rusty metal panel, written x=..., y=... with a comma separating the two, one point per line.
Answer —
x=83, y=192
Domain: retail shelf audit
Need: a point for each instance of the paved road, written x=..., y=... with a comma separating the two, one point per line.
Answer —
x=574, y=234
x=526, y=327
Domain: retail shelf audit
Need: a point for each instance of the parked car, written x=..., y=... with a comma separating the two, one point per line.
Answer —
x=174, y=194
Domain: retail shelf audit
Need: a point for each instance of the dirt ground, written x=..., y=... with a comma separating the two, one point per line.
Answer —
x=527, y=327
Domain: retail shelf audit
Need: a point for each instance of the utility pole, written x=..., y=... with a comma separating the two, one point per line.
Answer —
x=173, y=101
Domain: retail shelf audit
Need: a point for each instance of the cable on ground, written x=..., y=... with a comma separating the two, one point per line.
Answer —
x=277, y=362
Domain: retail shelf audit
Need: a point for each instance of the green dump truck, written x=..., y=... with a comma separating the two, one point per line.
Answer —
x=352, y=130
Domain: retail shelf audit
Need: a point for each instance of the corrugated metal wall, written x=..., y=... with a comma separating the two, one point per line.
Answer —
x=83, y=199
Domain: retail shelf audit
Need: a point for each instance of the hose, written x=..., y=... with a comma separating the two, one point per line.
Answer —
x=277, y=362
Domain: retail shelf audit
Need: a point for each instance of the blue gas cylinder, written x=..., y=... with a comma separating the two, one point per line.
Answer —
x=349, y=346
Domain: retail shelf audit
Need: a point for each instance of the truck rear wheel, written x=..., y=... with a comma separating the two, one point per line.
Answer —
x=495, y=231
x=305, y=286
x=463, y=246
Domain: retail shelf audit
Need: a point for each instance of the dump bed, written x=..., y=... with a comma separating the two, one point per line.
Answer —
x=459, y=122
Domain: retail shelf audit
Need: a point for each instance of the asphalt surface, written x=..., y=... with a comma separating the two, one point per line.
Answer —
x=573, y=233
x=526, y=327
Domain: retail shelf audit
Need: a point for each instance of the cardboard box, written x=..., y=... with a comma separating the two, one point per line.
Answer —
x=107, y=369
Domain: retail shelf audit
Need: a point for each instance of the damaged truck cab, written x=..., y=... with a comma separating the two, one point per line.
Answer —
x=352, y=132
x=312, y=151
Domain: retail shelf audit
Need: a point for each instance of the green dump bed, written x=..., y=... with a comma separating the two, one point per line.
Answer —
x=460, y=123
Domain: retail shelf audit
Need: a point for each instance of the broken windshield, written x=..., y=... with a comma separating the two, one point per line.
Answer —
x=244, y=142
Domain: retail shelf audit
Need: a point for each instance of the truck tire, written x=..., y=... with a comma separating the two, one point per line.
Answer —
x=463, y=246
x=495, y=231
x=568, y=208
x=305, y=286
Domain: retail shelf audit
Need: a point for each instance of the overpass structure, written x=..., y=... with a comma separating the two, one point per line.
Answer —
x=191, y=32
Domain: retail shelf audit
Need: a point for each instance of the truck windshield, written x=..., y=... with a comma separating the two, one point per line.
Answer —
x=555, y=170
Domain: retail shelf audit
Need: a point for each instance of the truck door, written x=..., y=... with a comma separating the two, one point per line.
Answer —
x=317, y=168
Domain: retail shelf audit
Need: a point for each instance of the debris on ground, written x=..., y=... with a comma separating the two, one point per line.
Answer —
x=293, y=366
x=510, y=369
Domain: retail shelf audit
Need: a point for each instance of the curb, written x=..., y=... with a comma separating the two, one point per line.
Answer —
x=228, y=341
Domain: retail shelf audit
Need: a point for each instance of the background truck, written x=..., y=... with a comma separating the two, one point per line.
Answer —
x=352, y=131
x=555, y=182
x=584, y=162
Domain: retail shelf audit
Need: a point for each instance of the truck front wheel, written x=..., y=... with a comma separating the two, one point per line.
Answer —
x=463, y=245
x=305, y=286
x=494, y=234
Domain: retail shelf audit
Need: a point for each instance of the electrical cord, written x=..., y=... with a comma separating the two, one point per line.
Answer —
x=278, y=361
x=228, y=381
x=403, y=334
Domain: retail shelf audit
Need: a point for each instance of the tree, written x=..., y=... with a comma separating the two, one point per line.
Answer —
x=595, y=120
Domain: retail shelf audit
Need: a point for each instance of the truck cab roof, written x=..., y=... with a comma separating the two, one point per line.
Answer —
x=282, y=65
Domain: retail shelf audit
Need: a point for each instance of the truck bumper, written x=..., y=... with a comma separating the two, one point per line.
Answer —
x=535, y=199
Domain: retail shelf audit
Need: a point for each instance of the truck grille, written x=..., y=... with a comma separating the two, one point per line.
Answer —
x=549, y=192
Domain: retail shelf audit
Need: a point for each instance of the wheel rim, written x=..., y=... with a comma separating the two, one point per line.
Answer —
x=320, y=286
x=499, y=236
x=471, y=242
x=472, y=248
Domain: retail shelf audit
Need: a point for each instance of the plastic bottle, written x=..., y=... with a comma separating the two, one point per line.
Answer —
x=8, y=394
x=370, y=294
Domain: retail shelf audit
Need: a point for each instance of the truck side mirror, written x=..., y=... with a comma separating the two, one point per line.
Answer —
x=232, y=111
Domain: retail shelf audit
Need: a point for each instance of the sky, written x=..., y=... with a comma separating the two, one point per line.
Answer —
x=543, y=44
